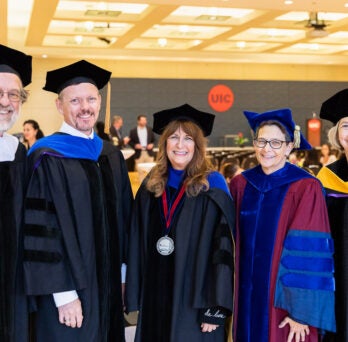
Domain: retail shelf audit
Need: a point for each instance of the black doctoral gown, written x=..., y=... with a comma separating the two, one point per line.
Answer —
x=13, y=303
x=173, y=291
x=335, y=181
x=77, y=213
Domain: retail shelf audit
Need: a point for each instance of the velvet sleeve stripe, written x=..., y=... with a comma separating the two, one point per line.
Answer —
x=312, y=264
x=42, y=256
x=311, y=282
x=39, y=204
x=305, y=282
x=309, y=243
x=223, y=230
x=41, y=231
x=223, y=257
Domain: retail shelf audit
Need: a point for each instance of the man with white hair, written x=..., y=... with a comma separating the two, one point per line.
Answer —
x=15, y=74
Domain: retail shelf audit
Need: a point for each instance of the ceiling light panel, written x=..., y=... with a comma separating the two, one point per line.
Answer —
x=89, y=28
x=70, y=41
x=96, y=9
x=209, y=15
x=269, y=34
x=340, y=37
x=300, y=16
x=22, y=13
x=237, y=47
x=180, y=31
x=154, y=44
x=313, y=48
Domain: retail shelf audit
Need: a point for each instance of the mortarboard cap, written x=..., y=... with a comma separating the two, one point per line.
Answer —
x=79, y=72
x=185, y=112
x=336, y=107
x=284, y=117
x=16, y=62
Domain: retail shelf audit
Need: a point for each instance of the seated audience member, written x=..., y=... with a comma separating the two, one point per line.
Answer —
x=230, y=170
x=327, y=157
x=312, y=161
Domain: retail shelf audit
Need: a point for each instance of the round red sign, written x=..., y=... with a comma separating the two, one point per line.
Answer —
x=220, y=98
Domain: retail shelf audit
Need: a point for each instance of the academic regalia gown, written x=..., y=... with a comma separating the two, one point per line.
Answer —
x=77, y=212
x=13, y=302
x=284, y=263
x=334, y=178
x=172, y=291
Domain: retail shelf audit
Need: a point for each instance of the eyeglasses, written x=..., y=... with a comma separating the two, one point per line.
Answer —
x=13, y=95
x=274, y=143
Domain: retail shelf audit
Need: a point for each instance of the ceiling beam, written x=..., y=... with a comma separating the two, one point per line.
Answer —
x=43, y=11
x=3, y=22
x=156, y=15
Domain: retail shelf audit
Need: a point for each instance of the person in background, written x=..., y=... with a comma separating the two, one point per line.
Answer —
x=180, y=275
x=284, y=251
x=311, y=161
x=15, y=74
x=230, y=170
x=100, y=130
x=31, y=133
x=293, y=158
x=142, y=141
x=326, y=156
x=116, y=132
x=334, y=178
x=77, y=214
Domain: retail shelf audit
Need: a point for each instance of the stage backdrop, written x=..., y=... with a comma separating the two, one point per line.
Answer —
x=131, y=97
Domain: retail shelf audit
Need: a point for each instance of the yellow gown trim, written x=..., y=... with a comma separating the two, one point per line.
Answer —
x=331, y=181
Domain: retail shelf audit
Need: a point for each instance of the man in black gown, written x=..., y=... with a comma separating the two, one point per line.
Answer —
x=15, y=73
x=77, y=212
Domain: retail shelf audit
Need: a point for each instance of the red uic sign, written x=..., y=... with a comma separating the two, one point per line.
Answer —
x=220, y=98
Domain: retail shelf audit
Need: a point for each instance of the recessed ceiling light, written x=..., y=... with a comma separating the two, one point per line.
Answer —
x=346, y=4
x=44, y=55
x=89, y=25
x=241, y=45
x=288, y=2
x=78, y=39
x=162, y=42
x=197, y=42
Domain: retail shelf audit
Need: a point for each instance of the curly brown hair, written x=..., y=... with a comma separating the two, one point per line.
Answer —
x=196, y=171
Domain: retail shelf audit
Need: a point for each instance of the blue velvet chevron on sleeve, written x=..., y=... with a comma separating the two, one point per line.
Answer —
x=305, y=283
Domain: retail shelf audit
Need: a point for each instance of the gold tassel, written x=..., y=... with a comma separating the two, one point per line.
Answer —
x=297, y=136
x=107, y=109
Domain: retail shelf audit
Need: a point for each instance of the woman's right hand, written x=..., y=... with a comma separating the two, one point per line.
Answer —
x=297, y=330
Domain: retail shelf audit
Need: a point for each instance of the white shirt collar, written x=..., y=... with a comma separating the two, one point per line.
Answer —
x=8, y=147
x=65, y=128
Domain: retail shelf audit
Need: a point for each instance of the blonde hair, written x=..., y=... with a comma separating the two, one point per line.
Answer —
x=333, y=137
x=196, y=171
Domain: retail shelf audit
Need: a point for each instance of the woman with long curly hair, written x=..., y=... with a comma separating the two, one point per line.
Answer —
x=181, y=255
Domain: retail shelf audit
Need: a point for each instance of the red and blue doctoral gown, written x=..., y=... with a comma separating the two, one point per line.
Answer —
x=284, y=264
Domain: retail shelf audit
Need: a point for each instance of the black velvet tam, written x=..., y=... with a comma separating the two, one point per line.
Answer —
x=185, y=112
x=336, y=107
x=79, y=72
x=16, y=62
